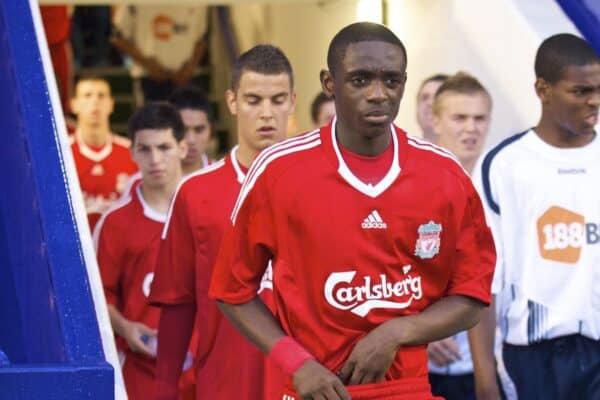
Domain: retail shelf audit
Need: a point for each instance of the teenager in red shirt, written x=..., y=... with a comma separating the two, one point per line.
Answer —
x=261, y=97
x=378, y=241
x=102, y=159
x=128, y=238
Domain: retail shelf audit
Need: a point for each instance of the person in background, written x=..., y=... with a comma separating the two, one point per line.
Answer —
x=102, y=158
x=425, y=96
x=540, y=192
x=322, y=110
x=197, y=116
x=261, y=98
x=166, y=44
x=127, y=240
x=459, y=367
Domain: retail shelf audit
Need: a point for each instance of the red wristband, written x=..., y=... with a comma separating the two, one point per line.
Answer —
x=289, y=355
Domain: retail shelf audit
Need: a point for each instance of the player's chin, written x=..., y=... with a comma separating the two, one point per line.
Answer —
x=263, y=143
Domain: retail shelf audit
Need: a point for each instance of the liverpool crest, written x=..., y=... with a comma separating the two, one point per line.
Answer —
x=428, y=243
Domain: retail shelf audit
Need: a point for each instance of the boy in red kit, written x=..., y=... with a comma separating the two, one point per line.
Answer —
x=261, y=97
x=128, y=237
x=102, y=159
x=378, y=241
x=197, y=117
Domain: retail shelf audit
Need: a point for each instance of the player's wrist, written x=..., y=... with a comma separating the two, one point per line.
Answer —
x=289, y=355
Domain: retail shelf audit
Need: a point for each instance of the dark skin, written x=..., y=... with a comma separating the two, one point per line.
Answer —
x=367, y=86
x=570, y=106
x=569, y=114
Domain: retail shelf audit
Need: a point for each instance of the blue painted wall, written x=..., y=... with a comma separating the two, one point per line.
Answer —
x=48, y=325
x=585, y=14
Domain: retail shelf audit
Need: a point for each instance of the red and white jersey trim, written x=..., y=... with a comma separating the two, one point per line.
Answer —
x=293, y=145
x=425, y=145
x=367, y=188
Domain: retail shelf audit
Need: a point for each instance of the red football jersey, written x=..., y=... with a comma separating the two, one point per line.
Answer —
x=127, y=269
x=348, y=256
x=102, y=173
x=229, y=366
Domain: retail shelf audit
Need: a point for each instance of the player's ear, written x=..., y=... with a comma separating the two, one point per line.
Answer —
x=542, y=89
x=435, y=122
x=74, y=105
x=327, y=82
x=231, y=100
x=182, y=146
x=293, y=102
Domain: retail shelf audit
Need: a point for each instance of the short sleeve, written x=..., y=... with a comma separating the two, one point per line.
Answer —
x=247, y=246
x=109, y=263
x=174, y=277
x=486, y=186
x=475, y=256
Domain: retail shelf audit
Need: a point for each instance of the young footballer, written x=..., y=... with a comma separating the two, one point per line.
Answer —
x=128, y=238
x=378, y=241
x=102, y=159
x=197, y=117
x=261, y=98
x=460, y=367
x=540, y=190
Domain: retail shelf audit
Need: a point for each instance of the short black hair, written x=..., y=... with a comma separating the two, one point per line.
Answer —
x=264, y=59
x=558, y=52
x=356, y=33
x=316, y=104
x=156, y=115
x=193, y=98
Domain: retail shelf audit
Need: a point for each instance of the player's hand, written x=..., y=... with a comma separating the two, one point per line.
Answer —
x=372, y=356
x=156, y=70
x=443, y=352
x=314, y=381
x=133, y=333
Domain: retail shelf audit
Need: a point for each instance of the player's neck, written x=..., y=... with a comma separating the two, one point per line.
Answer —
x=159, y=197
x=245, y=155
x=560, y=137
x=361, y=144
x=189, y=168
x=94, y=135
x=430, y=136
x=469, y=166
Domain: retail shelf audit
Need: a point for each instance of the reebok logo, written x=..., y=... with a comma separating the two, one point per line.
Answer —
x=562, y=234
x=360, y=297
x=374, y=221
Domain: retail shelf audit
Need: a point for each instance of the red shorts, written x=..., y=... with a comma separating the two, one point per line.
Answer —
x=405, y=389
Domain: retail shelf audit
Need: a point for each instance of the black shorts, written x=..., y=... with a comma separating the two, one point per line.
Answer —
x=558, y=369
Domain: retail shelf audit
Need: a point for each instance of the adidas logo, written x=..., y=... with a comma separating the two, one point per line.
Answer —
x=373, y=221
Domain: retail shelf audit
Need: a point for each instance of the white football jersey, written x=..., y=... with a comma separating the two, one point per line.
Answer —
x=543, y=205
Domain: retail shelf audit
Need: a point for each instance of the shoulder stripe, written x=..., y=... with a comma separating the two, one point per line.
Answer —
x=266, y=158
x=486, y=165
x=298, y=140
x=212, y=167
x=120, y=203
x=437, y=150
x=423, y=142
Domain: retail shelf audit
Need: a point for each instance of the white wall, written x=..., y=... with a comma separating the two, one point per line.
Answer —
x=495, y=40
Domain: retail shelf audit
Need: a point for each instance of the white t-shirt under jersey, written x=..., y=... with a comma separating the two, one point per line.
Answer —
x=543, y=205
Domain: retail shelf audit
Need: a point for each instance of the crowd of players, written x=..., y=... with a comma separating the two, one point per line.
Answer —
x=352, y=261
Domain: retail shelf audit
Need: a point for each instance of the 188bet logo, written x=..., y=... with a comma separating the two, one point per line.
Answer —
x=562, y=233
